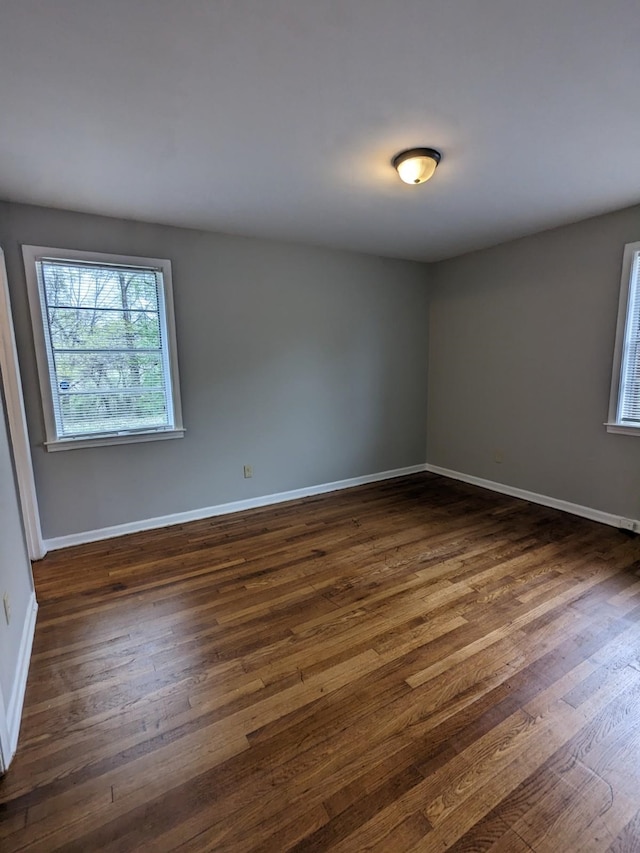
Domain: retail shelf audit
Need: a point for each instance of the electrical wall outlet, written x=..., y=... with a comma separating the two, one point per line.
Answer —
x=498, y=456
x=629, y=524
x=7, y=607
x=248, y=471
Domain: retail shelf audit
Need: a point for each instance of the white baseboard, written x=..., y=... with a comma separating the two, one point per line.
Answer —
x=223, y=509
x=280, y=497
x=11, y=729
x=533, y=497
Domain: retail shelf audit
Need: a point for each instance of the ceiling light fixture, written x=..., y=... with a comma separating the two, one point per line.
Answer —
x=416, y=165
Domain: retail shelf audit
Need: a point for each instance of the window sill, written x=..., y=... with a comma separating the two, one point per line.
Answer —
x=104, y=440
x=623, y=429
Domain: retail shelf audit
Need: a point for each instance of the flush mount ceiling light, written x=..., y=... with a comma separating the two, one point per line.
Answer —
x=416, y=165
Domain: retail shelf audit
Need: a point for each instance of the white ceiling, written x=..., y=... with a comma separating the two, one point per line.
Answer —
x=278, y=118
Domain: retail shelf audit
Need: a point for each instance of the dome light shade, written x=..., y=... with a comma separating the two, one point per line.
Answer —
x=416, y=165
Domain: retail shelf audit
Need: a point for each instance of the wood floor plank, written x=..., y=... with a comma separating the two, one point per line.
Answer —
x=416, y=664
x=628, y=840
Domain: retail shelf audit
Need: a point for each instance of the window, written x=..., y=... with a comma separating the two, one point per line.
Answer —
x=624, y=408
x=105, y=345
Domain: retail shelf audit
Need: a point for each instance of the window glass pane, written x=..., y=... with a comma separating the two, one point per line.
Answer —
x=93, y=371
x=108, y=411
x=95, y=328
x=91, y=286
x=107, y=352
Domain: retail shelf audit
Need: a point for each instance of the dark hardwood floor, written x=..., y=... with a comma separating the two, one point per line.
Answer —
x=413, y=665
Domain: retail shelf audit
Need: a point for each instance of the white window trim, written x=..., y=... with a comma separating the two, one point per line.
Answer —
x=12, y=386
x=613, y=424
x=31, y=255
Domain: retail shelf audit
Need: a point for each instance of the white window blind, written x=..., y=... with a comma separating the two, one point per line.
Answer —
x=629, y=396
x=107, y=349
x=624, y=407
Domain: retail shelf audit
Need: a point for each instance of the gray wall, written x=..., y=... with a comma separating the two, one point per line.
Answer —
x=311, y=365
x=308, y=364
x=521, y=345
x=15, y=569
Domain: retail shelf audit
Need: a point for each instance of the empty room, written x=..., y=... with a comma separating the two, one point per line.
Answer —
x=320, y=431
